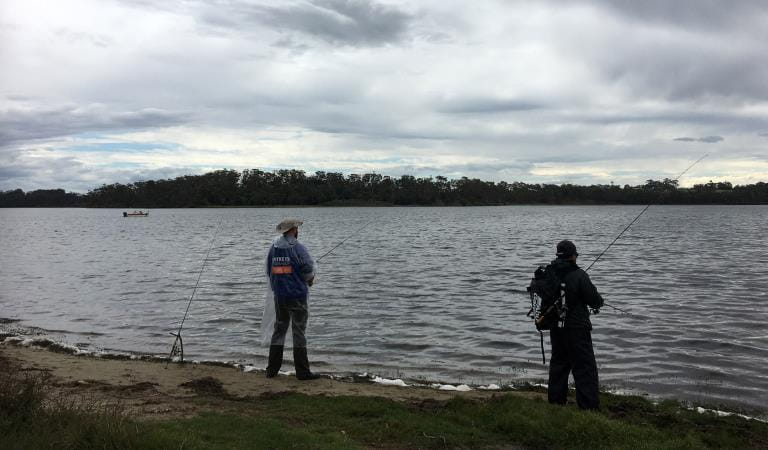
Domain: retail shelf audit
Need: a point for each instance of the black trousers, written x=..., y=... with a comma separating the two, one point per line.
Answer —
x=292, y=312
x=572, y=352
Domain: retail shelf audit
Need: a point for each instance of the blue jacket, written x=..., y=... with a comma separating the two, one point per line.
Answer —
x=289, y=268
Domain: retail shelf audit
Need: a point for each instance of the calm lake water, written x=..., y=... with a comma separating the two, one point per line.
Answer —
x=437, y=293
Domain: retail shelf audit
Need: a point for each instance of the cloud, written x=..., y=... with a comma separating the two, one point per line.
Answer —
x=705, y=139
x=686, y=50
x=126, y=87
x=34, y=121
x=74, y=37
x=42, y=168
x=685, y=71
x=26, y=170
x=338, y=22
x=703, y=14
x=486, y=105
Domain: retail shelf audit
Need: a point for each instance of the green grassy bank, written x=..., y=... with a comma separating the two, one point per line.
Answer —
x=30, y=418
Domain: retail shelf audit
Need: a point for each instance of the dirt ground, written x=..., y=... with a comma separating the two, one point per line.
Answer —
x=150, y=389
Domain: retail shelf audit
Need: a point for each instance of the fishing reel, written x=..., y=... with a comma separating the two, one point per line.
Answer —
x=177, y=349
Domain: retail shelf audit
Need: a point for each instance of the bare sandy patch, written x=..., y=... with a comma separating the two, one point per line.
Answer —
x=153, y=389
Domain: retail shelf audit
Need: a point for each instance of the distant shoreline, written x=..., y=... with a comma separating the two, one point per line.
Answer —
x=291, y=188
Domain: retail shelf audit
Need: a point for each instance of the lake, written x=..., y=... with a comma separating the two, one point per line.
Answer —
x=432, y=293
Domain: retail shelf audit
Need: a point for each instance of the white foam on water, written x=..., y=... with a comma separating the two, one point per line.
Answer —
x=389, y=382
x=450, y=387
x=719, y=413
x=46, y=343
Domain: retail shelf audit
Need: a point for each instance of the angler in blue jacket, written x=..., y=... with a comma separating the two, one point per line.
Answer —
x=291, y=272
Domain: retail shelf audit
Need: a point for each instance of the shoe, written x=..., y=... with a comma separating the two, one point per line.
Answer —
x=308, y=376
x=301, y=362
x=275, y=360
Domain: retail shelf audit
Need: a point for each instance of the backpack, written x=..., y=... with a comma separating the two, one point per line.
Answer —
x=546, y=291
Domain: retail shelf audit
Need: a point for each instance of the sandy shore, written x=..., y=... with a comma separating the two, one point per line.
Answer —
x=149, y=389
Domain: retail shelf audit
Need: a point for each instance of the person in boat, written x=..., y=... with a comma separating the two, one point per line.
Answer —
x=291, y=272
x=572, y=343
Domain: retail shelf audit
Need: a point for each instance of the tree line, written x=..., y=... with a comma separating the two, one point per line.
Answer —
x=254, y=187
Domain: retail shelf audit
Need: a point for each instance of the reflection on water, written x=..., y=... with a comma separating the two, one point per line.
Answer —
x=422, y=292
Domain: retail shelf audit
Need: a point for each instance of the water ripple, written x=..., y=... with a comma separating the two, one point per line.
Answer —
x=444, y=302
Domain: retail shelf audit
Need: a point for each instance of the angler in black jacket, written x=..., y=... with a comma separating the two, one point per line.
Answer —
x=572, y=343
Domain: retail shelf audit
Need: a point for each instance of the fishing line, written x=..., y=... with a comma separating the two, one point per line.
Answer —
x=345, y=240
x=638, y=216
x=178, y=344
x=631, y=223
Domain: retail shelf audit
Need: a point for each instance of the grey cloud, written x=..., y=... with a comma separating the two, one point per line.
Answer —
x=8, y=173
x=19, y=170
x=486, y=105
x=465, y=169
x=28, y=123
x=685, y=73
x=725, y=119
x=18, y=97
x=707, y=14
x=380, y=131
x=341, y=22
x=763, y=134
x=705, y=139
x=290, y=44
x=27, y=173
x=655, y=52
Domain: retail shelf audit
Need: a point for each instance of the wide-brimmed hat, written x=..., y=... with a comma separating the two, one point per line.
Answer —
x=287, y=224
x=566, y=249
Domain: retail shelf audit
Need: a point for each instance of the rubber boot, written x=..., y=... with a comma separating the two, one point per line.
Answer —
x=275, y=360
x=301, y=362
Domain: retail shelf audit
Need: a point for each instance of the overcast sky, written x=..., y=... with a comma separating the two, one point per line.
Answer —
x=592, y=91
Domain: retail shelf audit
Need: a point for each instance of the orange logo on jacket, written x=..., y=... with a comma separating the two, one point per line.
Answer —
x=282, y=270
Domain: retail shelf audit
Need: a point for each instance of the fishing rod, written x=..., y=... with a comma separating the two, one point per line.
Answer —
x=345, y=240
x=178, y=343
x=540, y=316
x=641, y=213
x=632, y=223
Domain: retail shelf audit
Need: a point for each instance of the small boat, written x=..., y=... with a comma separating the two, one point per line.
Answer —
x=135, y=214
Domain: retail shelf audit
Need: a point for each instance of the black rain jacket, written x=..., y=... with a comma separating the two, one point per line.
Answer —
x=580, y=294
